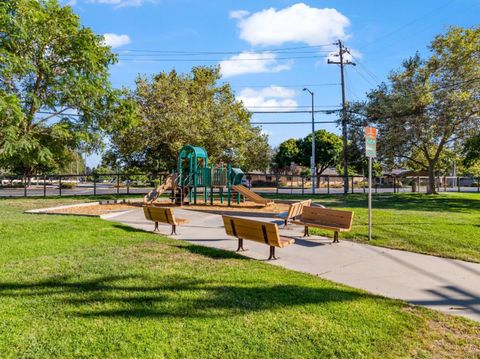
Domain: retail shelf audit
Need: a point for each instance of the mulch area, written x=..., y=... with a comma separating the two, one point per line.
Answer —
x=218, y=207
x=95, y=210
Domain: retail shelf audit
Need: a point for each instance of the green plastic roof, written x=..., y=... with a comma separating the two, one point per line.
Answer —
x=188, y=150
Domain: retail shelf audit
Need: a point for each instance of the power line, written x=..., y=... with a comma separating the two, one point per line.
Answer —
x=254, y=86
x=289, y=86
x=226, y=52
x=293, y=106
x=421, y=18
x=291, y=123
x=220, y=53
x=221, y=60
x=328, y=112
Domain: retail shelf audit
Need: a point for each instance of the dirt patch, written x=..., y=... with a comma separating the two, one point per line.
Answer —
x=95, y=210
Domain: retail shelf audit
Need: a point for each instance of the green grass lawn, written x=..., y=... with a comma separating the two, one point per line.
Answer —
x=84, y=287
x=446, y=225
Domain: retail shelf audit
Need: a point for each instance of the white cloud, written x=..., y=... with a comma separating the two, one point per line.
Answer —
x=122, y=3
x=297, y=23
x=238, y=14
x=272, y=98
x=115, y=40
x=252, y=63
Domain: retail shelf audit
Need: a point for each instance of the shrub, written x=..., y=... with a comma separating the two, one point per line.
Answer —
x=68, y=185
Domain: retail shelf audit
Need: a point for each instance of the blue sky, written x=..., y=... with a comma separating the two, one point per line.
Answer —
x=277, y=47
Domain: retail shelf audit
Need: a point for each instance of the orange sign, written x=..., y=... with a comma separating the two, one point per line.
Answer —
x=371, y=132
x=371, y=141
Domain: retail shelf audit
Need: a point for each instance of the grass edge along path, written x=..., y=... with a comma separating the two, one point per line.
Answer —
x=81, y=287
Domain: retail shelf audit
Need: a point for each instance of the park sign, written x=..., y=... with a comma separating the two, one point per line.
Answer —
x=371, y=142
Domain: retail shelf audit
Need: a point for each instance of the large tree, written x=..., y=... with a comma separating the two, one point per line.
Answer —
x=55, y=97
x=328, y=149
x=192, y=108
x=286, y=153
x=430, y=104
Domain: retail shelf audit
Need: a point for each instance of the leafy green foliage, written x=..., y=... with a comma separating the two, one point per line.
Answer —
x=430, y=105
x=178, y=109
x=287, y=152
x=471, y=150
x=54, y=78
x=328, y=149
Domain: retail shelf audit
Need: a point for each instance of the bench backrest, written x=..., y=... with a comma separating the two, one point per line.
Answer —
x=159, y=214
x=296, y=208
x=253, y=230
x=327, y=216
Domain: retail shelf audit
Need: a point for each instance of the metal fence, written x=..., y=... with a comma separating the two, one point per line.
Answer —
x=286, y=184
x=142, y=183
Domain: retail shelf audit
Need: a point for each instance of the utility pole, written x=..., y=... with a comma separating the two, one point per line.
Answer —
x=341, y=51
x=312, y=159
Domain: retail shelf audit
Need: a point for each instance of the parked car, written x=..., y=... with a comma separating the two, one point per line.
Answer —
x=246, y=182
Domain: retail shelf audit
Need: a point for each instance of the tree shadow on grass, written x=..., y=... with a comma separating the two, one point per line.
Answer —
x=179, y=297
x=126, y=228
x=211, y=253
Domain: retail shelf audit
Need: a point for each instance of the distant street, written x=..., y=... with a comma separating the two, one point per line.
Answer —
x=109, y=189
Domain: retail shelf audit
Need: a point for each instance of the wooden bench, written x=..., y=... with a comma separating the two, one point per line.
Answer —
x=257, y=231
x=164, y=215
x=294, y=210
x=325, y=218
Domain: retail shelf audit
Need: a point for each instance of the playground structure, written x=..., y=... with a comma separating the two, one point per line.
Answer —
x=194, y=178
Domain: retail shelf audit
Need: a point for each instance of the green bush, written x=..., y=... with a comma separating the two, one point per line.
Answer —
x=68, y=185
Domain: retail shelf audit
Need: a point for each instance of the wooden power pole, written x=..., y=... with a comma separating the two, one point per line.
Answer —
x=341, y=51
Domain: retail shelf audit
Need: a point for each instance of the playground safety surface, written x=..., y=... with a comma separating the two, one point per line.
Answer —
x=94, y=210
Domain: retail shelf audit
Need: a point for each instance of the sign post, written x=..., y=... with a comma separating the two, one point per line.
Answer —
x=371, y=152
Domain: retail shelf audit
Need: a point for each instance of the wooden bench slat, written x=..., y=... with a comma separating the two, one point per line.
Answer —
x=325, y=218
x=258, y=231
x=162, y=214
x=294, y=210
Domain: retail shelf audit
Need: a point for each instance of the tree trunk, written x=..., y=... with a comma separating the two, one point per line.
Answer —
x=432, y=188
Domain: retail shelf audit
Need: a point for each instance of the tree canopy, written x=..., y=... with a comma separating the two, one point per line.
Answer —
x=328, y=148
x=177, y=109
x=287, y=152
x=55, y=97
x=430, y=105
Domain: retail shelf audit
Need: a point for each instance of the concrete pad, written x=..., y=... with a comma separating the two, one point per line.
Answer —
x=448, y=285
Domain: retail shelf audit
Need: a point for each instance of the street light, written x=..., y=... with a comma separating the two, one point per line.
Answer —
x=312, y=159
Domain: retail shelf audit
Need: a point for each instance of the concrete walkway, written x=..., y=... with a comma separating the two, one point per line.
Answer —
x=448, y=285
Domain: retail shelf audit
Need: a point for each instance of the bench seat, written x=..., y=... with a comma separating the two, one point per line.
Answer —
x=294, y=210
x=325, y=218
x=258, y=231
x=164, y=215
x=319, y=225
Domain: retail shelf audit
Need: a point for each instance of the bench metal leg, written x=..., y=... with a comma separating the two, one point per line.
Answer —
x=306, y=233
x=156, y=227
x=240, y=245
x=174, y=229
x=286, y=222
x=335, y=237
x=272, y=253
